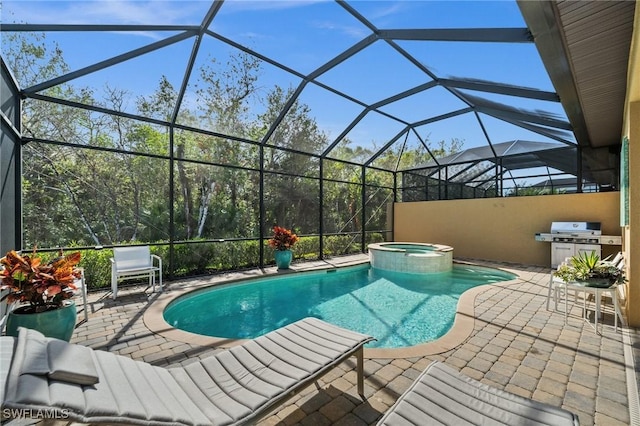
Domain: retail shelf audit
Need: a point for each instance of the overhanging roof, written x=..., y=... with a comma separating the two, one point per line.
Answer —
x=585, y=48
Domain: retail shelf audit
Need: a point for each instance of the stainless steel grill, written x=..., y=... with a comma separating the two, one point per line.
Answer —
x=571, y=238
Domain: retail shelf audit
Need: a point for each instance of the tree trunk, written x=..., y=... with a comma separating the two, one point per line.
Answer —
x=186, y=191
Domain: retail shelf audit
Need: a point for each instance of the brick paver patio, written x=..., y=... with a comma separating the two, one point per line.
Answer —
x=516, y=345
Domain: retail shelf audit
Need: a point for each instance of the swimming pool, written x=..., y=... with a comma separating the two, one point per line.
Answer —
x=398, y=309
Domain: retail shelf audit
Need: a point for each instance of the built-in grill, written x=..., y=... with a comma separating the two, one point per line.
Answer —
x=571, y=238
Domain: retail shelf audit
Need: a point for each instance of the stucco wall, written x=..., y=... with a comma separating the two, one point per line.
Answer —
x=632, y=247
x=632, y=131
x=503, y=229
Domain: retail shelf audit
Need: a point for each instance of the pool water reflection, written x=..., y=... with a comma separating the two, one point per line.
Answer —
x=399, y=309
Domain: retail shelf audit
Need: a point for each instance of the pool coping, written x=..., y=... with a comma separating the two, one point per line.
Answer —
x=462, y=328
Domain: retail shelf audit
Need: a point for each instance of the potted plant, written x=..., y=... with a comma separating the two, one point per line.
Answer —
x=44, y=290
x=282, y=241
x=589, y=269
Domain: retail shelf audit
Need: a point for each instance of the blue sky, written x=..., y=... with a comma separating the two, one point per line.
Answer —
x=303, y=35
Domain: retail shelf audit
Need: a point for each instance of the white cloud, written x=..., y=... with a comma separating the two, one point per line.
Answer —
x=129, y=12
x=391, y=9
x=233, y=6
x=356, y=32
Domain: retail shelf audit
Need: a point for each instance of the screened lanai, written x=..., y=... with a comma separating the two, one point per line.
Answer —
x=197, y=126
x=483, y=171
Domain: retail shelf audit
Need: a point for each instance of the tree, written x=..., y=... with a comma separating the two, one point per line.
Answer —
x=291, y=186
x=223, y=95
x=50, y=208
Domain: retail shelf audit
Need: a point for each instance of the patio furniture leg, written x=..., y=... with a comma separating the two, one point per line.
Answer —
x=84, y=295
x=549, y=290
x=584, y=307
x=360, y=370
x=597, y=313
x=614, y=296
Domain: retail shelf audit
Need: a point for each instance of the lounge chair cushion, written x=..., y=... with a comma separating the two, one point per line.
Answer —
x=56, y=358
x=233, y=386
x=443, y=396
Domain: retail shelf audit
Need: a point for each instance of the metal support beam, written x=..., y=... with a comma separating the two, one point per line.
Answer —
x=345, y=132
x=109, y=62
x=172, y=226
x=47, y=28
x=405, y=94
x=386, y=146
x=367, y=41
x=261, y=213
x=363, y=217
x=493, y=35
x=501, y=89
x=321, y=209
x=542, y=19
x=213, y=10
x=442, y=117
x=523, y=116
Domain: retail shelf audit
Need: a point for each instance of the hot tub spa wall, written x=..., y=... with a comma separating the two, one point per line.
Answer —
x=503, y=229
x=436, y=261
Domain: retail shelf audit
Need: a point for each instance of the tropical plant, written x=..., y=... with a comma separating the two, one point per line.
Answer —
x=585, y=266
x=43, y=285
x=283, y=239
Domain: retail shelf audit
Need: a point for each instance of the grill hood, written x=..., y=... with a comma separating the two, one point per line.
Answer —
x=576, y=228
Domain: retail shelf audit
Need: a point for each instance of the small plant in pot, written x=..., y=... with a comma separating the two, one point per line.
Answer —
x=589, y=269
x=44, y=290
x=282, y=241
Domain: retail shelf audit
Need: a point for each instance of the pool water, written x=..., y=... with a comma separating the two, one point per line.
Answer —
x=410, y=248
x=398, y=309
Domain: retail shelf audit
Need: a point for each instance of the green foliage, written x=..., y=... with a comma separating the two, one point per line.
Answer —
x=525, y=190
x=585, y=261
x=337, y=245
x=112, y=186
x=97, y=268
x=43, y=284
x=200, y=258
x=585, y=266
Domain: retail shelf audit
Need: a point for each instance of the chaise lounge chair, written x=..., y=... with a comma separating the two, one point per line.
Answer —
x=443, y=396
x=235, y=386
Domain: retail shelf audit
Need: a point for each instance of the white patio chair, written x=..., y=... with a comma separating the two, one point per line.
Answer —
x=554, y=284
x=81, y=287
x=559, y=287
x=134, y=263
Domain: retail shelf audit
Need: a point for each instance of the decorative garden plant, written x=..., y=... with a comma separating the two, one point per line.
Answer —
x=589, y=266
x=37, y=285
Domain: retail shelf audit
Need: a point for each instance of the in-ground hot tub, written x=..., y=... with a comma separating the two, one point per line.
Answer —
x=419, y=258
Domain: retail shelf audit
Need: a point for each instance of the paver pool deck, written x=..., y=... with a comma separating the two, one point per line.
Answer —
x=504, y=336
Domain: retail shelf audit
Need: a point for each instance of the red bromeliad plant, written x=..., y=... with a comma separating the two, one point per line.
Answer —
x=43, y=285
x=283, y=239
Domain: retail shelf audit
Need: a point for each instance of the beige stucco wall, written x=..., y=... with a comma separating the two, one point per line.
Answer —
x=631, y=129
x=632, y=232
x=503, y=229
